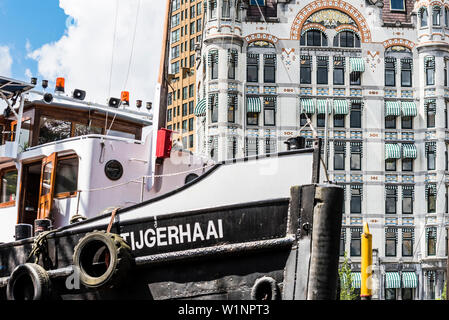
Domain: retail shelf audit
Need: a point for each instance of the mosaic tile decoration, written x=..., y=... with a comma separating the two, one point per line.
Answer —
x=446, y=92
x=322, y=91
x=339, y=134
x=252, y=89
x=391, y=136
x=391, y=178
x=430, y=92
x=356, y=178
x=356, y=93
x=430, y=135
x=340, y=177
x=213, y=87
x=232, y=86
x=408, y=136
x=391, y=93
x=408, y=221
x=408, y=179
x=389, y=221
x=269, y=90
x=431, y=220
x=432, y=177
x=306, y=91
x=356, y=220
x=306, y=134
x=356, y=135
x=339, y=92
x=407, y=94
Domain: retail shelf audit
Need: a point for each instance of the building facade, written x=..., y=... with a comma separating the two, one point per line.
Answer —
x=369, y=77
x=186, y=25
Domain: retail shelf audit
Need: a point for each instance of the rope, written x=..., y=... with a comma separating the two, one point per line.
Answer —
x=114, y=212
x=39, y=246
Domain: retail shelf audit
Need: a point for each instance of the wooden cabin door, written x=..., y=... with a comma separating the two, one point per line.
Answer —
x=47, y=186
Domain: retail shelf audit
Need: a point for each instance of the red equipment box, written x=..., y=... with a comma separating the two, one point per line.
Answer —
x=164, y=143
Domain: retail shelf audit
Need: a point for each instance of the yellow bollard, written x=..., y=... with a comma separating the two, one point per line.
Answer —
x=367, y=261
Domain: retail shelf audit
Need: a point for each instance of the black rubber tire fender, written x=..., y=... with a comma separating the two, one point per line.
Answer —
x=28, y=281
x=118, y=262
x=265, y=288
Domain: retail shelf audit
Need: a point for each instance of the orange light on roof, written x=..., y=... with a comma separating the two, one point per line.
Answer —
x=60, y=84
x=125, y=97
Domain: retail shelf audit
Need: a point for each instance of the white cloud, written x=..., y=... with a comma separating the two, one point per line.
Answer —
x=84, y=54
x=5, y=61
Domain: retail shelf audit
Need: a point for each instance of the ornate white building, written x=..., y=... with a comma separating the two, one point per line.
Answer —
x=380, y=69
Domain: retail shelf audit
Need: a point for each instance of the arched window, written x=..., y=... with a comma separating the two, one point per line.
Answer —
x=436, y=16
x=347, y=39
x=313, y=38
x=423, y=17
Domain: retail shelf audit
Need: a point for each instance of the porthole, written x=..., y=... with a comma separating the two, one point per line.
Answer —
x=113, y=170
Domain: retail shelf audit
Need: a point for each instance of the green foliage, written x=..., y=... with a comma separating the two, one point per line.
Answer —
x=346, y=290
x=443, y=295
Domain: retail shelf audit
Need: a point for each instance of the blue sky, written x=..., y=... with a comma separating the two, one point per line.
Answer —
x=38, y=21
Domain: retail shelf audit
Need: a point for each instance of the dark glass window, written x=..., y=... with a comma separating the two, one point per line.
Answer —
x=390, y=72
x=356, y=115
x=269, y=70
x=347, y=39
x=407, y=122
x=322, y=72
x=431, y=241
x=431, y=155
x=354, y=78
x=66, y=175
x=390, y=201
x=356, y=200
x=423, y=17
x=406, y=73
x=342, y=242
x=397, y=5
x=306, y=70
x=214, y=65
x=252, y=68
x=356, y=156
x=407, y=242
x=214, y=108
x=303, y=119
x=407, y=201
x=321, y=120
x=339, y=120
x=313, y=38
x=8, y=186
x=253, y=118
x=407, y=164
x=430, y=70
x=269, y=112
x=390, y=165
x=339, y=156
x=356, y=242
x=390, y=122
x=391, y=242
x=431, y=199
x=430, y=112
x=339, y=72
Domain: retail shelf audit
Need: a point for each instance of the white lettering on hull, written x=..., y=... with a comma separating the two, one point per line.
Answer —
x=171, y=235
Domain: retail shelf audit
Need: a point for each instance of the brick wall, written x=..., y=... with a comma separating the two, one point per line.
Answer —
x=393, y=16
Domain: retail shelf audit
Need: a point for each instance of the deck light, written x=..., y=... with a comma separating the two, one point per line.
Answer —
x=33, y=81
x=44, y=84
x=125, y=98
x=79, y=94
x=60, y=85
x=114, y=102
x=139, y=103
x=149, y=105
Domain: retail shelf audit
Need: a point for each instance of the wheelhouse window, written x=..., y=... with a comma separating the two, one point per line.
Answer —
x=8, y=187
x=313, y=38
x=53, y=130
x=82, y=129
x=66, y=180
x=347, y=39
x=306, y=70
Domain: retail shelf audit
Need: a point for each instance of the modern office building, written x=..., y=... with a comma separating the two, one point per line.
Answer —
x=371, y=76
x=186, y=25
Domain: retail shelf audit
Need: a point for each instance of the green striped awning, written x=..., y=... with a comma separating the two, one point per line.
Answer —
x=341, y=107
x=392, y=151
x=321, y=106
x=409, y=109
x=392, y=108
x=254, y=104
x=409, y=280
x=392, y=280
x=307, y=106
x=200, y=109
x=409, y=151
x=357, y=64
x=356, y=280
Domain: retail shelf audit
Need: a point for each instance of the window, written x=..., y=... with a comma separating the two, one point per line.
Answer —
x=397, y=5
x=192, y=12
x=191, y=141
x=356, y=156
x=407, y=164
x=252, y=118
x=252, y=146
x=232, y=106
x=269, y=69
x=270, y=145
x=226, y=8
x=430, y=112
x=213, y=61
x=175, y=52
x=391, y=238
x=175, y=67
x=342, y=242
x=321, y=120
x=322, y=70
x=175, y=36
x=407, y=242
x=355, y=78
x=169, y=115
x=339, y=120
x=252, y=68
x=347, y=39
x=406, y=72
x=303, y=118
x=306, y=70
x=175, y=4
x=390, y=122
x=356, y=242
x=446, y=17
x=213, y=9
x=431, y=155
x=232, y=147
x=407, y=122
x=436, y=14
x=356, y=199
x=184, y=109
x=191, y=124
x=82, y=130
x=356, y=114
x=53, y=130
x=390, y=72
x=232, y=63
x=269, y=111
x=429, y=64
x=407, y=199
x=390, y=199
x=66, y=180
x=423, y=17
x=9, y=186
x=431, y=194
x=390, y=165
x=339, y=70
x=339, y=155
x=199, y=26
x=313, y=38
x=213, y=105
x=431, y=235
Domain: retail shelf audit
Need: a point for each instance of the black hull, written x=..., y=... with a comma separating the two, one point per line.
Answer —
x=218, y=253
